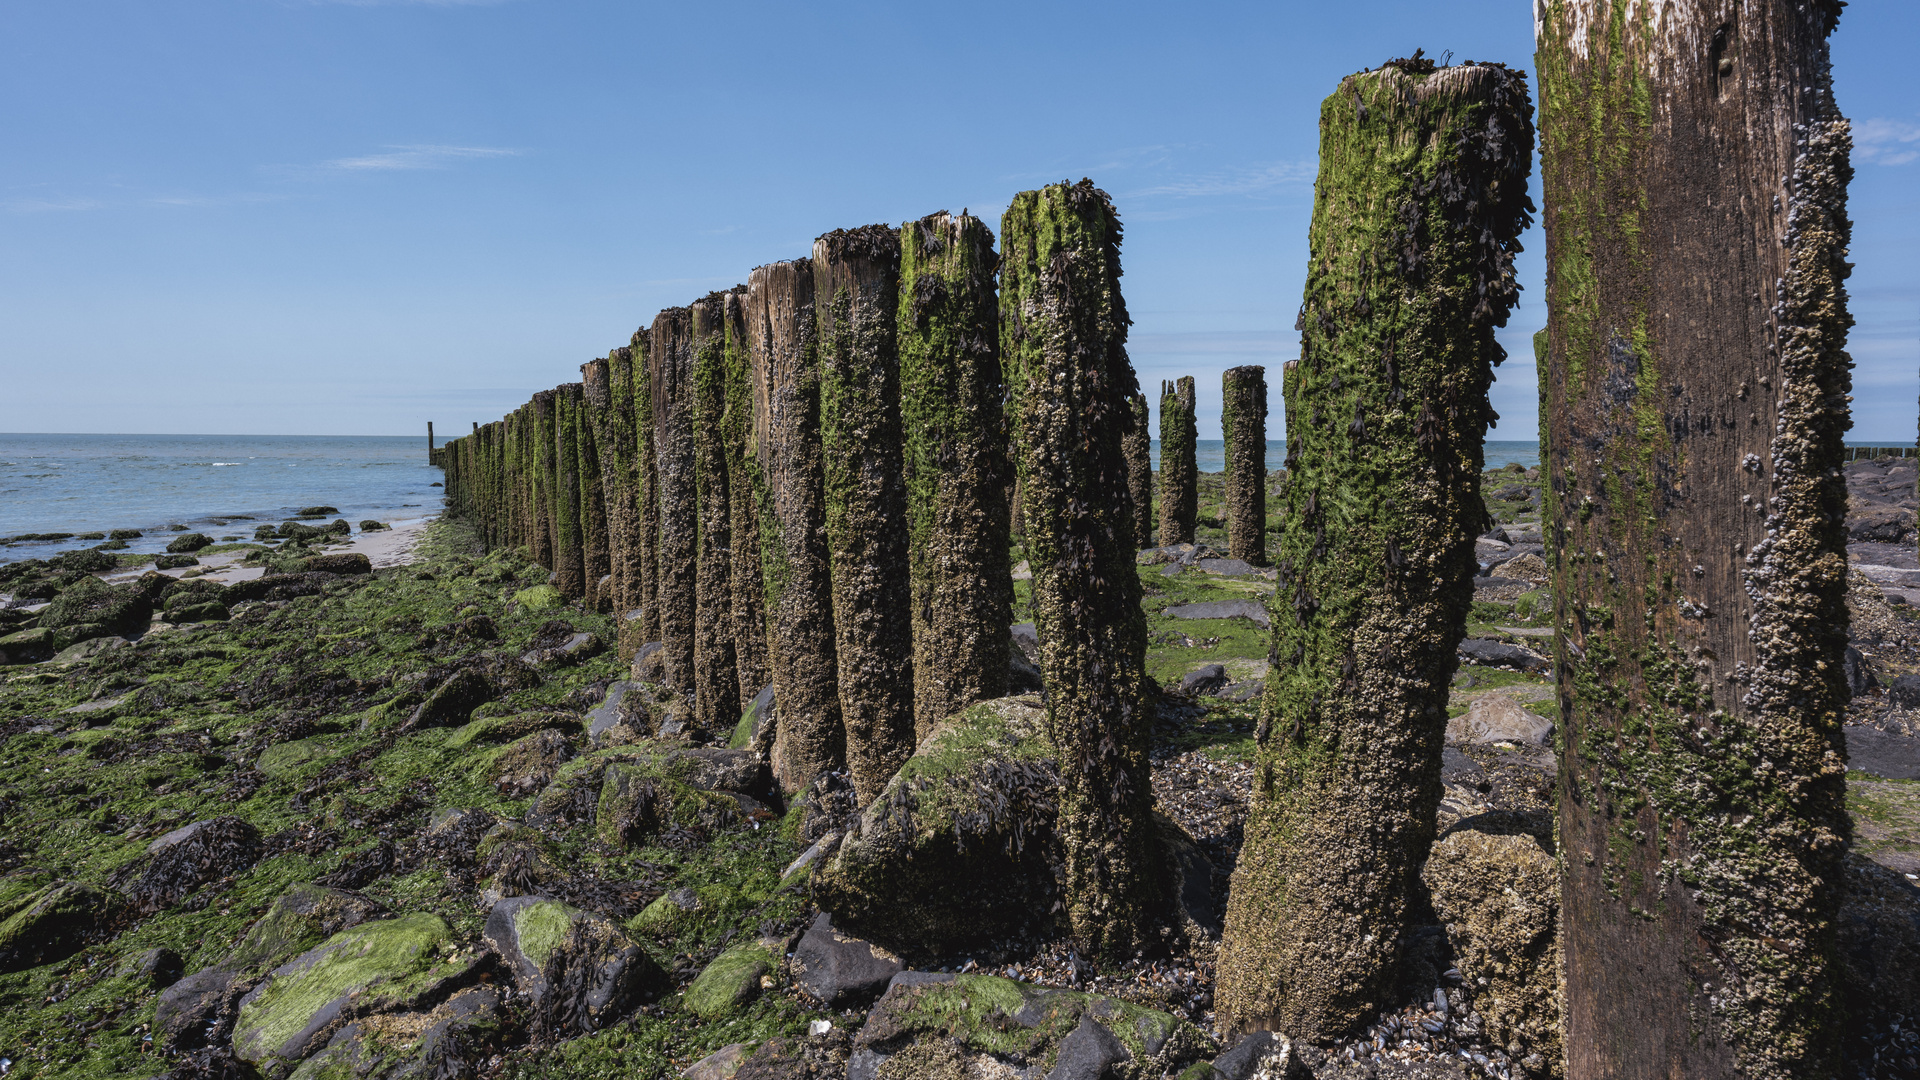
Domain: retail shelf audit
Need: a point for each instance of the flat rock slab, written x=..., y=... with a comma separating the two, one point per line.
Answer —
x=837, y=969
x=1252, y=610
x=1527, y=631
x=1497, y=718
x=1882, y=753
x=1897, y=576
x=1501, y=654
x=1226, y=567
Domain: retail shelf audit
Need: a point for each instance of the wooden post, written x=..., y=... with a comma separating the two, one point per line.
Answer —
x=1179, y=470
x=716, y=700
x=1139, y=449
x=569, y=538
x=540, y=447
x=956, y=466
x=747, y=489
x=646, y=498
x=595, y=557
x=672, y=356
x=1063, y=333
x=1695, y=169
x=810, y=738
x=1243, y=422
x=1421, y=194
x=429, y=438
x=856, y=278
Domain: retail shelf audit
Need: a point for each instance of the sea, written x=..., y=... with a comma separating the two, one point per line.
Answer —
x=224, y=484
x=221, y=485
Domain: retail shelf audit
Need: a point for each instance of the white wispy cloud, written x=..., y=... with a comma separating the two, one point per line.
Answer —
x=1886, y=142
x=1245, y=181
x=398, y=158
x=50, y=204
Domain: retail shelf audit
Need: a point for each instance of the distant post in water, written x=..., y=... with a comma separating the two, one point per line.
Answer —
x=1139, y=450
x=1063, y=340
x=856, y=281
x=672, y=357
x=716, y=698
x=781, y=347
x=746, y=498
x=1420, y=199
x=1179, y=469
x=1243, y=421
x=1695, y=168
x=956, y=465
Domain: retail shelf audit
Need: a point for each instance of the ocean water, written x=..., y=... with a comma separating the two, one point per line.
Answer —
x=94, y=483
x=1211, y=454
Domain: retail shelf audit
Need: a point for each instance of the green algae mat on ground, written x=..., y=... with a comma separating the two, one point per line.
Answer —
x=319, y=735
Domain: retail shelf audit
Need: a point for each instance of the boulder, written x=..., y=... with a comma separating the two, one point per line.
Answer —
x=1253, y=611
x=347, y=562
x=453, y=700
x=578, y=970
x=84, y=560
x=1265, y=1055
x=529, y=764
x=174, y=562
x=838, y=970
x=92, y=602
x=754, y=732
x=1490, y=653
x=959, y=848
x=722, y=1064
x=317, y=511
x=31, y=646
x=1039, y=1032
x=647, y=788
x=1499, y=897
x=185, y=859
x=204, y=611
x=86, y=650
x=539, y=598
x=157, y=967
x=577, y=647
x=393, y=965
x=620, y=718
x=371, y=525
x=449, y=1041
x=188, y=542
x=1858, y=672
x=1903, y=691
x=51, y=923
x=731, y=980
x=1879, y=943
x=1496, y=717
x=504, y=729
x=1207, y=679
x=1527, y=567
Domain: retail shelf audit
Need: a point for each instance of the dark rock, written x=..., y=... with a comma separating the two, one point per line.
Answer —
x=579, y=971
x=278, y=587
x=1206, y=680
x=1500, y=654
x=1879, y=944
x=371, y=525
x=576, y=648
x=124, y=534
x=85, y=560
x=529, y=764
x=1887, y=754
x=1251, y=610
x=187, y=858
x=188, y=542
x=620, y=718
x=454, y=700
x=754, y=732
x=1885, y=524
x=650, y=662
x=838, y=970
x=1258, y=1050
x=1496, y=534
x=52, y=924
x=317, y=511
x=206, y=611
x=1026, y=638
x=349, y=562
x=174, y=562
x=1904, y=691
x=1250, y=690
x=92, y=602
x=1023, y=677
x=158, y=967
x=1859, y=673
x=1195, y=878
x=453, y=1040
x=1088, y=1052
x=293, y=530
x=265, y=532
x=1225, y=567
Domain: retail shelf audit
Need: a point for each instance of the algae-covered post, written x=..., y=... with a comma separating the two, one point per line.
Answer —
x=716, y=691
x=956, y=465
x=1063, y=333
x=856, y=282
x=671, y=355
x=646, y=555
x=1695, y=170
x=1243, y=423
x=786, y=414
x=1179, y=470
x=541, y=437
x=1139, y=448
x=746, y=488
x=594, y=554
x=619, y=442
x=569, y=538
x=1421, y=194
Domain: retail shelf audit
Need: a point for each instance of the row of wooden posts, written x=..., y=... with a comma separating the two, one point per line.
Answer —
x=764, y=476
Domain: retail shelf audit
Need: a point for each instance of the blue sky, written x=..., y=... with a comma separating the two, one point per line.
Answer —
x=293, y=216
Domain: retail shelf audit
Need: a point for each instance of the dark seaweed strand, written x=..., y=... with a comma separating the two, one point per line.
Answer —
x=1243, y=424
x=956, y=465
x=1179, y=468
x=856, y=275
x=795, y=566
x=672, y=356
x=716, y=690
x=1421, y=194
x=746, y=488
x=1063, y=333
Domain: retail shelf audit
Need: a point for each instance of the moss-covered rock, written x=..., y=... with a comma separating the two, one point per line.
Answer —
x=731, y=980
x=539, y=598
x=282, y=758
x=508, y=728
x=51, y=924
x=92, y=602
x=348, y=562
x=578, y=969
x=389, y=966
x=188, y=542
x=529, y=763
x=446, y=1042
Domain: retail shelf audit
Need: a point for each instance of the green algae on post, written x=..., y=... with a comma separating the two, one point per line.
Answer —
x=716, y=689
x=595, y=554
x=569, y=538
x=1421, y=194
x=541, y=436
x=956, y=465
x=1695, y=168
x=1139, y=450
x=856, y=280
x=671, y=354
x=1063, y=332
x=793, y=553
x=1243, y=423
x=1179, y=468
x=646, y=556
x=746, y=491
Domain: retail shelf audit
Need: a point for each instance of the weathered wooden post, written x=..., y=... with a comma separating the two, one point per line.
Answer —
x=610, y=386
x=1063, y=332
x=786, y=414
x=569, y=538
x=856, y=281
x=956, y=465
x=1421, y=194
x=671, y=355
x=747, y=500
x=1179, y=469
x=595, y=557
x=1243, y=423
x=1139, y=450
x=716, y=700
x=542, y=436
x=646, y=558
x=1695, y=167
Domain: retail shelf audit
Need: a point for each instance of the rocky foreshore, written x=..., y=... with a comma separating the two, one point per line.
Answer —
x=423, y=820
